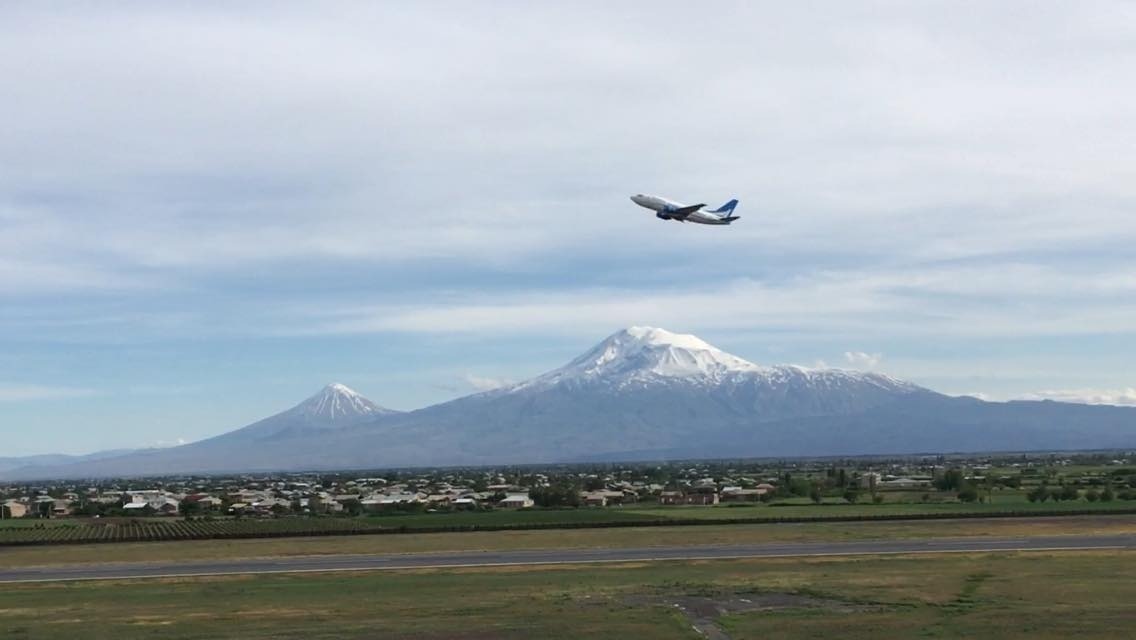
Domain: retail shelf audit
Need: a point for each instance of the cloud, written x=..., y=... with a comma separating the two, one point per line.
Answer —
x=182, y=177
x=165, y=444
x=1120, y=397
x=915, y=302
x=861, y=360
x=27, y=393
x=481, y=383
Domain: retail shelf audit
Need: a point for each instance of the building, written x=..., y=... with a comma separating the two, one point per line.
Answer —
x=870, y=480
x=700, y=496
x=737, y=494
x=516, y=501
x=13, y=509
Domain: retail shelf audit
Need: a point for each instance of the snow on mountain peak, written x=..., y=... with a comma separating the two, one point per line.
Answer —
x=641, y=353
x=661, y=337
x=338, y=402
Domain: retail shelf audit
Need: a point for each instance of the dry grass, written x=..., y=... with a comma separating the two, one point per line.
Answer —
x=1009, y=595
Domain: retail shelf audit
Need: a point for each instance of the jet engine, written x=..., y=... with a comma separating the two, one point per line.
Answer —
x=662, y=216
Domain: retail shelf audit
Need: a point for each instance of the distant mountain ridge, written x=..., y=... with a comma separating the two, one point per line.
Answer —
x=642, y=393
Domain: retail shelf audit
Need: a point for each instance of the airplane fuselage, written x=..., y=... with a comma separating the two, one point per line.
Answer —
x=666, y=209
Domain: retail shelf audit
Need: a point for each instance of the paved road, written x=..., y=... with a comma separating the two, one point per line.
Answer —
x=553, y=556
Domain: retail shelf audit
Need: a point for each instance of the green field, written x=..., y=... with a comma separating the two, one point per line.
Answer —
x=122, y=530
x=1023, y=595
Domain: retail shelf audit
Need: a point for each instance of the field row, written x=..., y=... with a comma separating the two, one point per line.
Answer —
x=143, y=530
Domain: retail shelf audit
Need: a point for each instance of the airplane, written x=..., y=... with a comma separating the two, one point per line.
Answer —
x=669, y=210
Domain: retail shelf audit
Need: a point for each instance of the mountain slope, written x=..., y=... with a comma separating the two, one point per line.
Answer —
x=289, y=439
x=334, y=407
x=642, y=393
x=641, y=389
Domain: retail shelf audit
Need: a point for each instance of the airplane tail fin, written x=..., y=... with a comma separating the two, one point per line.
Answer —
x=727, y=209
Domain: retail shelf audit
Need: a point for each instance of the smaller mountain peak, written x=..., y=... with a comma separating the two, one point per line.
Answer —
x=338, y=401
x=338, y=387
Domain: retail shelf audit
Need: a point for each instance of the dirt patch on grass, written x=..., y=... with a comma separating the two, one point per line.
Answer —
x=703, y=611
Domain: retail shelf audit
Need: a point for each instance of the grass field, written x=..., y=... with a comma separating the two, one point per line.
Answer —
x=19, y=529
x=1022, y=595
x=566, y=538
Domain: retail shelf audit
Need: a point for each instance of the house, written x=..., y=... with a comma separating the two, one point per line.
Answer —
x=13, y=509
x=594, y=498
x=159, y=501
x=902, y=483
x=737, y=494
x=239, y=507
x=62, y=507
x=206, y=501
x=869, y=480
x=269, y=505
x=701, y=496
x=516, y=501
x=323, y=503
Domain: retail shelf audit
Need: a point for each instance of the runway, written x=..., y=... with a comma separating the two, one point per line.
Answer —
x=141, y=570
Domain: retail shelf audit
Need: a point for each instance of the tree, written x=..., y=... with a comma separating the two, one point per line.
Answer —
x=968, y=493
x=595, y=484
x=352, y=507
x=951, y=480
x=800, y=487
x=562, y=494
x=814, y=494
x=189, y=507
x=1069, y=492
x=1107, y=495
x=851, y=495
x=1092, y=495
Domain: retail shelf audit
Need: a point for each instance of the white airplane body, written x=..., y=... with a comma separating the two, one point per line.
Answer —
x=670, y=210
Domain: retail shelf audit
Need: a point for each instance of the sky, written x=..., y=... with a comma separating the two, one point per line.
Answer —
x=210, y=210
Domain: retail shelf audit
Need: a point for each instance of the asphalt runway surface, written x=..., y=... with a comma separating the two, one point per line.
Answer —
x=301, y=564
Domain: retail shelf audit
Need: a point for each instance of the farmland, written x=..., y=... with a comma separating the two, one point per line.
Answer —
x=111, y=530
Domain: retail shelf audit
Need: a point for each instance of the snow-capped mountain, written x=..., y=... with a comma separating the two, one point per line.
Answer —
x=642, y=393
x=647, y=393
x=336, y=406
x=287, y=440
x=339, y=403
x=647, y=356
x=643, y=355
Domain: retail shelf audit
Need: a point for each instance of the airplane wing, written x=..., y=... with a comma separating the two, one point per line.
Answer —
x=683, y=212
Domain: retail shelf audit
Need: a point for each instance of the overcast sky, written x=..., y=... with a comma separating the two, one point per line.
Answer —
x=209, y=212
